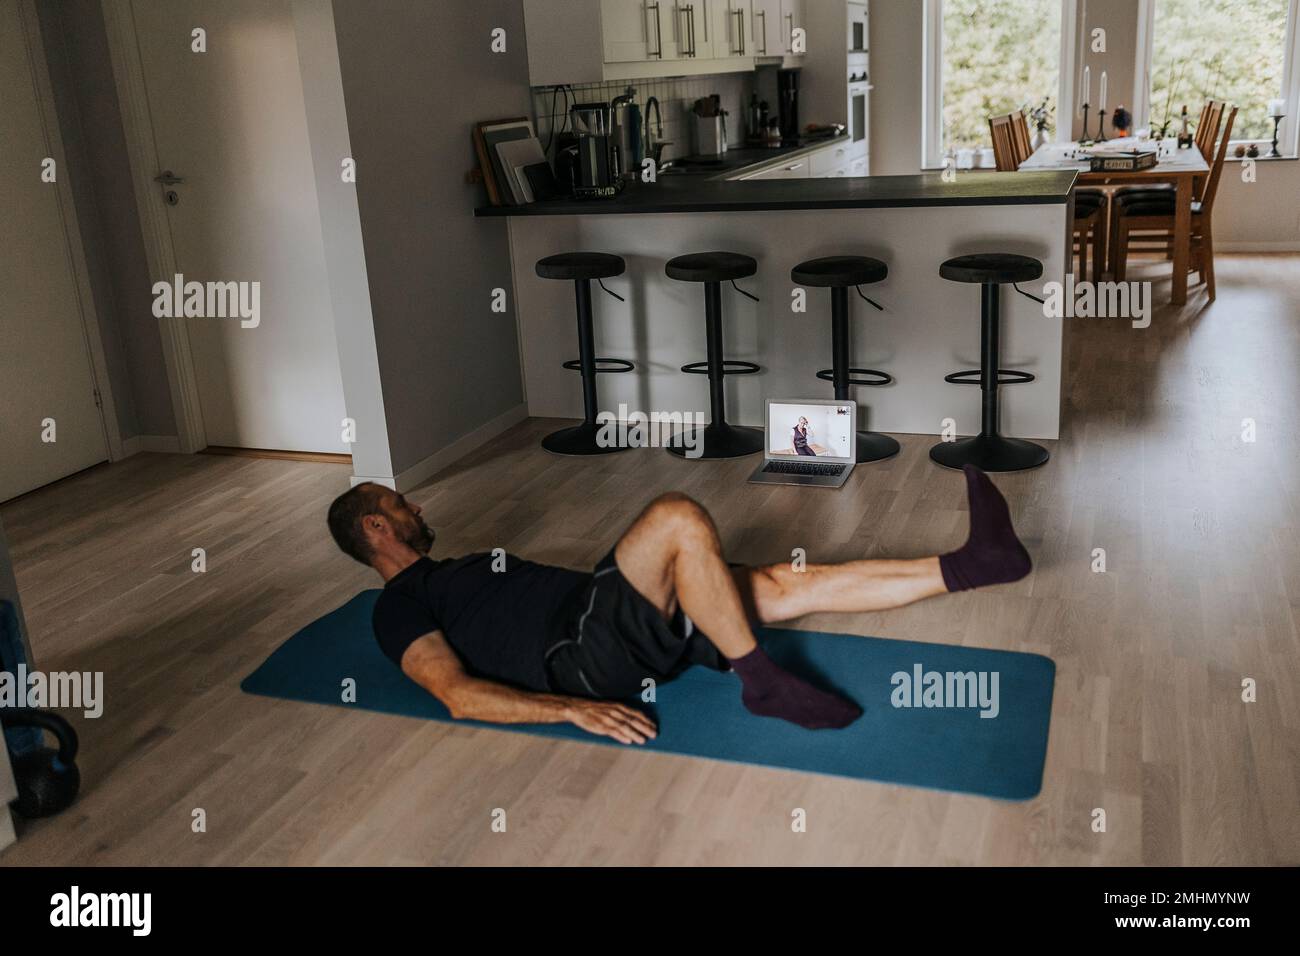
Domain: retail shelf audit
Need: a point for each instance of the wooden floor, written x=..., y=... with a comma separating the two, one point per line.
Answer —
x=1202, y=590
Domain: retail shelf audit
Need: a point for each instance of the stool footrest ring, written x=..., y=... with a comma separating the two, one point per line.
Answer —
x=729, y=367
x=619, y=365
x=878, y=377
x=1006, y=376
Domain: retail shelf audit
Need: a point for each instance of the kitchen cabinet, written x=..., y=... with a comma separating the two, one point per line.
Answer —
x=733, y=28
x=765, y=28
x=792, y=18
x=693, y=34
x=601, y=41
x=792, y=169
x=632, y=30
x=773, y=24
x=825, y=161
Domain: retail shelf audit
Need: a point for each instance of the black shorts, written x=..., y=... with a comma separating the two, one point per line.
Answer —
x=614, y=639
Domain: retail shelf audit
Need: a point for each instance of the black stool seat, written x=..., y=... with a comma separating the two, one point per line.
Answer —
x=831, y=272
x=991, y=267
x=580, y=265
x=711, y=267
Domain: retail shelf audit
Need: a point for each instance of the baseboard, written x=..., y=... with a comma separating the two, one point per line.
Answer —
x=164, y=444
x=277, y=454
x=423, y=470
x=1284, y=245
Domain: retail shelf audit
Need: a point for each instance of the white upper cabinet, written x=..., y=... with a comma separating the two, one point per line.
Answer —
x=632, y=30
x=772, y=26
x=595, y=41
x=693, y=31
x=792, y=19
x=733, y=28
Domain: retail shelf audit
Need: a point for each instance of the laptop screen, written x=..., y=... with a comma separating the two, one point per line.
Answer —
x=799, y=431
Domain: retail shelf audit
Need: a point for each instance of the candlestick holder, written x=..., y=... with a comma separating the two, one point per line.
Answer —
x=1084, y=141
x=1274, y=154
x=1101, y=126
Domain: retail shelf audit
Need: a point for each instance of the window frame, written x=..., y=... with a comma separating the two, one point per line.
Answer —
x=1288, y=134
x=932, y=145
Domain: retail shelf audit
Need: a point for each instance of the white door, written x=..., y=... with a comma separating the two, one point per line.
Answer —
x=231, y=123
x=47, y=386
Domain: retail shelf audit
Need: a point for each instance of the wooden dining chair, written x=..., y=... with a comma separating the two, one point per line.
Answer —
x=1010, y=140
x=1090, y=231
x=1207, y=134
x=1153, y=218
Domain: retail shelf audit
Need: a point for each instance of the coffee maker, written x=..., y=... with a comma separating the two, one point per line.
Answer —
x=594, y=168
x=787, y=104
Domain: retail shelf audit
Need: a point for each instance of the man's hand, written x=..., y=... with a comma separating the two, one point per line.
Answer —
x=608, y=719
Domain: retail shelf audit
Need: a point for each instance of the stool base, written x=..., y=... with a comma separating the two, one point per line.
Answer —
x=873, y=446
x=719, y=440
x=578, y=440
x=990, y=453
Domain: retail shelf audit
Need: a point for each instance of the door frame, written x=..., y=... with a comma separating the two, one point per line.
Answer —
x=89, y=316
x=160, y=254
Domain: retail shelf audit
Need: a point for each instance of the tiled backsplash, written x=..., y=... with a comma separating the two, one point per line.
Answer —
x=676, y=94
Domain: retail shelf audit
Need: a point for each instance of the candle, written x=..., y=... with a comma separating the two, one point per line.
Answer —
x=1103, y=90
x=1087, y=84
x=1277, y=107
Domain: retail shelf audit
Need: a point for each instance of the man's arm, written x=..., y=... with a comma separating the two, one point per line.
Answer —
x=431, y=663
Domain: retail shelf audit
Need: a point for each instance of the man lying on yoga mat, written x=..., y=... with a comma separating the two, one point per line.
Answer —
x=503, y=640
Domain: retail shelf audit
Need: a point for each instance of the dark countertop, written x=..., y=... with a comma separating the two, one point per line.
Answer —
x=700, y=194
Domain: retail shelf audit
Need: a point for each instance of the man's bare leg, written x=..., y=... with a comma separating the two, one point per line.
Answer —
x=672, y=556
x=777, y=592
x=992, y=554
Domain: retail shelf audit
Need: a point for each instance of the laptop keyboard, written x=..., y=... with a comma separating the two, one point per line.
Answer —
x=800, y=468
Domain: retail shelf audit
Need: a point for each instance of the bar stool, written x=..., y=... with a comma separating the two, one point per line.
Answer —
x=989, y=450
x=720, y=440
x=838, y=273
x=581, y=268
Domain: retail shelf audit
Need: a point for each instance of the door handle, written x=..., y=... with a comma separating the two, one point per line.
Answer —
x=168, y=178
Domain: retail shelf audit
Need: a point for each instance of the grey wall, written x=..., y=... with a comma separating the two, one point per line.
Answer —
x=416, y=76
x=81, y=72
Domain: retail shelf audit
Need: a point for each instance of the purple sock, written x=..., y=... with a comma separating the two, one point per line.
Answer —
x=992, y=553
x=769, y=691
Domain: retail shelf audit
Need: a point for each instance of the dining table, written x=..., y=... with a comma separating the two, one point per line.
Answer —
x=1181, y=167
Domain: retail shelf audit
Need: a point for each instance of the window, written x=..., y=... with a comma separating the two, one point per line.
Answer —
x=1231, y=50
x=987, y=58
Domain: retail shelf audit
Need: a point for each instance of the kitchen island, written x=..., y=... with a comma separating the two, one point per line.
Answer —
x=929, y=326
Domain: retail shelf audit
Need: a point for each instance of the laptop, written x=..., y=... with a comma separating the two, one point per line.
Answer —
x=808, y=442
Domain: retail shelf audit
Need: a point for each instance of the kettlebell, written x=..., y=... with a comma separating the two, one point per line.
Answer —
x=48, y=780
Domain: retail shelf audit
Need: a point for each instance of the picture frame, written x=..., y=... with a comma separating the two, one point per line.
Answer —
x=487, y=135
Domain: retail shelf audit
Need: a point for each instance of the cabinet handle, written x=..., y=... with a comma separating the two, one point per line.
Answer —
x=659, y=37
x=763, y=14
x=790, y=169
x=690, y=23
x=789, y=34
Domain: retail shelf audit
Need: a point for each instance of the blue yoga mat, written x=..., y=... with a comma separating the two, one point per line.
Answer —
x=700, y=713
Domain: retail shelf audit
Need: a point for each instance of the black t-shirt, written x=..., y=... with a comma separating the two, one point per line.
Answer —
x=499, y=623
